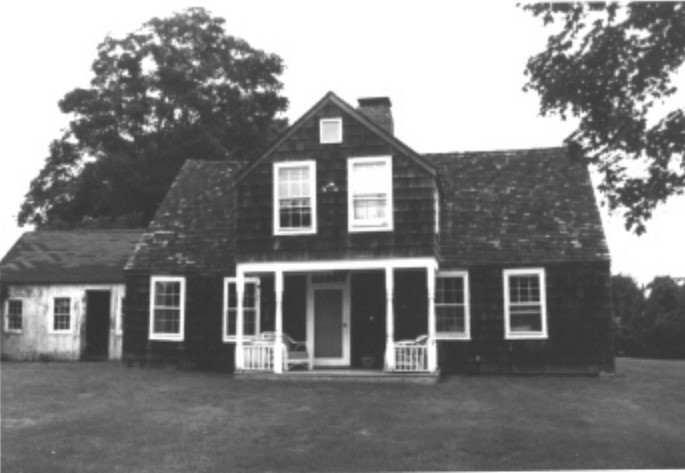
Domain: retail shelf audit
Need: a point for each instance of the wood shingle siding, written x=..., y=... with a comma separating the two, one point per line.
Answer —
x=413, y=190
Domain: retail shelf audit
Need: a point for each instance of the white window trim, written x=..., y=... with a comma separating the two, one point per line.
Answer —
x=389, y=223
x=51, y=328
x=175, y=337
x=466, y=335
x=119, y=321
x=338, y=138
x=258, y=320
x=542, y=334
x=7, y=316
x=276, y=208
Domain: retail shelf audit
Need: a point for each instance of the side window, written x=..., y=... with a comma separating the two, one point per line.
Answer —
x=61, y=314
x=370, y=201
x=525, y=309
x=295, y=198
x=167, y=308
x=251, y=315
x=15, y=315
x=452, y=316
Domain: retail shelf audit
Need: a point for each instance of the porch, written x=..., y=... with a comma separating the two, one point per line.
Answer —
x=340, y=321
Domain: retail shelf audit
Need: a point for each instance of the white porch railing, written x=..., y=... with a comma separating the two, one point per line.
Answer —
x=411, y=357
x=258, y=357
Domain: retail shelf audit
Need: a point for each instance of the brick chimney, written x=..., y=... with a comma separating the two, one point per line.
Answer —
x=378, y=109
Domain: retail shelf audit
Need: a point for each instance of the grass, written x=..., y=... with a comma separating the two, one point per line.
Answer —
x=88, y=417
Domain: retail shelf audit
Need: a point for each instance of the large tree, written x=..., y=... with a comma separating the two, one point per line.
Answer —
x=178, y=88
x=613, y=66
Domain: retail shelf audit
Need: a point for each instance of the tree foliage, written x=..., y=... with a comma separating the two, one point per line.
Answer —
x=178, y=88
x=613, y=66
x=650, y=325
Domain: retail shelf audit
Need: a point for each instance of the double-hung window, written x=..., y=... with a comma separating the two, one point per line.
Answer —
x=251, y=319
x=14, y=321
x=370, y=194
x=167, y=308
x=295, y=198
x=525, y=309
x=61, y=314
x=452, y=318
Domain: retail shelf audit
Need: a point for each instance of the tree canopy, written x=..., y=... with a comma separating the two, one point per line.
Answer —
x=649, y=325
x=178, y=88
x=613, y=66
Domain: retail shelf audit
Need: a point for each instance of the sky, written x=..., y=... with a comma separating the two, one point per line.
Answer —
x=453, y=70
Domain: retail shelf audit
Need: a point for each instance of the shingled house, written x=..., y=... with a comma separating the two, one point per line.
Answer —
x=373, y=256
x=62, y=292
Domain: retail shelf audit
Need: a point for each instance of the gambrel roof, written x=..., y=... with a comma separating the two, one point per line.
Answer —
x=76, y=256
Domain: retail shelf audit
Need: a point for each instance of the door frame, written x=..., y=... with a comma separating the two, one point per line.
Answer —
x=343, y=284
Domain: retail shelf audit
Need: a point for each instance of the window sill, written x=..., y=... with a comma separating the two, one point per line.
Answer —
x=526, y=336
x=14, y=331
x=165, y=338
x=453, y=336
x=310, y=231
x=369, y=228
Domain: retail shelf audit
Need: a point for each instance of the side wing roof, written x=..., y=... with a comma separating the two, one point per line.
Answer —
x=192, y=230
x=76, y=256
x=517, y=207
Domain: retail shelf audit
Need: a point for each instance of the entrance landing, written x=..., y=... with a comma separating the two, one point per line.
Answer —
x=343, y=375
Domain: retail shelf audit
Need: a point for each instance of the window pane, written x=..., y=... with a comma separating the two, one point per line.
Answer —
x=167, y=321
x=525, y=288
x=62, y=315
x=526, y=318
x=330, y=131
x=14, y=315
x=167, y=294
x=449, y=290
x=369, y=178
x=450, y=319
x=372, y=208
x=250, y=308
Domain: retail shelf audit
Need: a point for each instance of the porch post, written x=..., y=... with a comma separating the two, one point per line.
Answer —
x=239, y=293
x=432, y=347
x=278, y=342
x=389, y=319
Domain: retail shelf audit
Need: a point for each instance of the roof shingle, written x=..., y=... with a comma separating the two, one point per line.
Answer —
x=76, y=256
x=517, y=207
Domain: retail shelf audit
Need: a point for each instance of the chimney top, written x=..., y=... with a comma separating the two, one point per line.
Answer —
x=377, y=109
x=375, y=102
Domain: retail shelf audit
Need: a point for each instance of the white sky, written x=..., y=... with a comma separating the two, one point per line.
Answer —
x=453, y=70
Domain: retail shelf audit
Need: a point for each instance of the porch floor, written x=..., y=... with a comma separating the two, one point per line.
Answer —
x=344, y=375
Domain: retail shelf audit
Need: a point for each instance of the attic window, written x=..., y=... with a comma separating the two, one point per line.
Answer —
x=330, y=130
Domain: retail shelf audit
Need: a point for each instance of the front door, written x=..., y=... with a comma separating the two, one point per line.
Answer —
x=329, y=321
x=97, y=324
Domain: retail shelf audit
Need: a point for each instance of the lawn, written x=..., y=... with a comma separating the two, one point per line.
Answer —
x=95, y=417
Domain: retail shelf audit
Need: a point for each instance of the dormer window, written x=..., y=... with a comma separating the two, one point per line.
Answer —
x=330, y=130
x=370, y=194
x=295, y=198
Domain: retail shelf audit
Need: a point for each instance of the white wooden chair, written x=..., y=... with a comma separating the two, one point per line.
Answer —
x=295, y=352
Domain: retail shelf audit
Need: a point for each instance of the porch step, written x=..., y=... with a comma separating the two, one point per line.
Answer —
x=353, y=376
